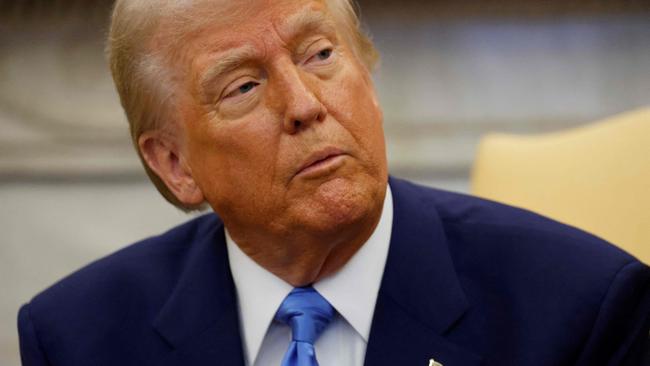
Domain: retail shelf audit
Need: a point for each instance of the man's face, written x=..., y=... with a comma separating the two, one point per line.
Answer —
x=282, y=130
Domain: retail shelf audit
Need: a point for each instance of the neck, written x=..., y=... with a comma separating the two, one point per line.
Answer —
x=302, y=258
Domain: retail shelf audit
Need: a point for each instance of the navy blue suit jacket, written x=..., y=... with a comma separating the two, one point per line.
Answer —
x=467, y=282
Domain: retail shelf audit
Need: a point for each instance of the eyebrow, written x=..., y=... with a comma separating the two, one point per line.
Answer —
x=231, y=59
x=304, y=21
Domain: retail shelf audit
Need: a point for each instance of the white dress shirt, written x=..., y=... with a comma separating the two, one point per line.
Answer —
x=352, y=291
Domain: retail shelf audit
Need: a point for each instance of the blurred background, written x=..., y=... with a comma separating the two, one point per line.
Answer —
x=72, y=189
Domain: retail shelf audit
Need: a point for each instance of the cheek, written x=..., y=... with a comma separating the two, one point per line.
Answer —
x=241, y=138
x=229, y=153
x=353, y=104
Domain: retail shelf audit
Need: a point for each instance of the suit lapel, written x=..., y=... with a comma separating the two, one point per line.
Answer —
x=420, y=297
x=200, y=320
x=399, y=338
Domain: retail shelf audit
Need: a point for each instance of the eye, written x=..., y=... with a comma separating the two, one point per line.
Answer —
x=242, y=89
x=247, y=87
x=324, y=54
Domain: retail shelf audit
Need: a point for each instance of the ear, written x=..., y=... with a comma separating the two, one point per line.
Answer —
x=164, y=157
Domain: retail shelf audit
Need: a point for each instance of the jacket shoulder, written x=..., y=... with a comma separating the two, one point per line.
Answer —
x=530, y=278
x=142, y=262
x=137, y=278
x=477, y=222
x=522, y=252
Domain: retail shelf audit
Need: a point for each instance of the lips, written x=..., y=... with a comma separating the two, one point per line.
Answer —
x=320, y=161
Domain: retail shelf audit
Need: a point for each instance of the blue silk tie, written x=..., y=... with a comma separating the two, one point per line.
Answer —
x=307, y=313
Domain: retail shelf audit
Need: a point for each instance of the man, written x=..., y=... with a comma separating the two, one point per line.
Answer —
x=265, y=110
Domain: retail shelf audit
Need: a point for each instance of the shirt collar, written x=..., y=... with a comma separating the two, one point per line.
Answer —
x=352, y=290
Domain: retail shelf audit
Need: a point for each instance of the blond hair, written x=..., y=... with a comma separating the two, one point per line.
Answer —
x=144, y=78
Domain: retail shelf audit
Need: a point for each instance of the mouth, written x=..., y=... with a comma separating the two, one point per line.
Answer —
x=321, y=163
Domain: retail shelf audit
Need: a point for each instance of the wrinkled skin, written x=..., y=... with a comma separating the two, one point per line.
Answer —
x=286, y=144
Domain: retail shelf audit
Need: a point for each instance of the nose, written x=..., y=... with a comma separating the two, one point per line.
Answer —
x=302, y=107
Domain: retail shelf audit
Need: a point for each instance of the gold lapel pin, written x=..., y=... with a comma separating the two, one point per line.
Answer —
x=433, y=362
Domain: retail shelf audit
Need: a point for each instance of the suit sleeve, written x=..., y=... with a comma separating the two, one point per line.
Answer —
x=31, y=352
x=621, y=332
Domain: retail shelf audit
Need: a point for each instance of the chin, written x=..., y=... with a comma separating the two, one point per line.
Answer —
x=342, y=202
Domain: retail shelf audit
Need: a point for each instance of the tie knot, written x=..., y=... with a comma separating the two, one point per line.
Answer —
x=306, y=312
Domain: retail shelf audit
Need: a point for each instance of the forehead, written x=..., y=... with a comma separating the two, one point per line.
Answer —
x=220, y=21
